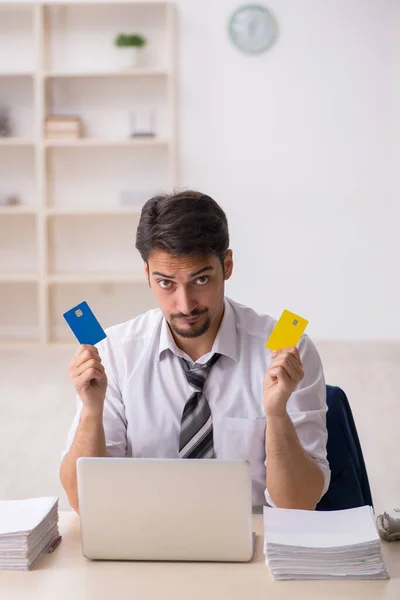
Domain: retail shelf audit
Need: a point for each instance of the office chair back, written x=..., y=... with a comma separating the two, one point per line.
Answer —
x=349, y=485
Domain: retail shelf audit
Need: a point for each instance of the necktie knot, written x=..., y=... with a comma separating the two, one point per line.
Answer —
x=197, y=375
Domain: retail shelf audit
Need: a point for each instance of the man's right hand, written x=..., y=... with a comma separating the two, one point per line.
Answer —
x=89, y=378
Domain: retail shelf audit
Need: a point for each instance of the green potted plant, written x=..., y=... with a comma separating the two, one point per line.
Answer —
x=129, y=45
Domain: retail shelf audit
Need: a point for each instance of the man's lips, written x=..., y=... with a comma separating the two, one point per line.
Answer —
x=190, y=319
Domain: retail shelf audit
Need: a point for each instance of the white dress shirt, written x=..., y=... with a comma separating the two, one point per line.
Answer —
x=147, y=391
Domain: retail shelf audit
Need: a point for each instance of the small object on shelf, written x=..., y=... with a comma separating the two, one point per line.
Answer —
x=129, y=46
x=63, y=127
x=5, y=127
x=135, y=197
x=9, y=200
x=143, y=123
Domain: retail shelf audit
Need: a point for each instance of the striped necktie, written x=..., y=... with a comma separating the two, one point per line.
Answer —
x=196, y=439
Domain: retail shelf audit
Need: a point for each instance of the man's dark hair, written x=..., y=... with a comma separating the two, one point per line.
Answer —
x=186, y=223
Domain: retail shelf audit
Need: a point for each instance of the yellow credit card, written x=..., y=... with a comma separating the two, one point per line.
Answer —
x=287, y=331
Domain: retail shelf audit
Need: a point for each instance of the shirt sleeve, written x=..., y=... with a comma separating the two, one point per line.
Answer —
x=114, y=419
x=307, y=410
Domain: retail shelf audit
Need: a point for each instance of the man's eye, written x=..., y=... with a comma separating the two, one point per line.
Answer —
x=202, y=280
x=164, y=284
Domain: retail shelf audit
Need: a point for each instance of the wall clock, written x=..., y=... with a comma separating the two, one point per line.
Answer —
x=252, y=28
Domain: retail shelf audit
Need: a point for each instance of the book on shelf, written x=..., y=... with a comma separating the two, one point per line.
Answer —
x=63, y=126
x=60, y=135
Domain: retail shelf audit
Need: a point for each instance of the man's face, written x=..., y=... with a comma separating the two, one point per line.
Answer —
x=189, y=290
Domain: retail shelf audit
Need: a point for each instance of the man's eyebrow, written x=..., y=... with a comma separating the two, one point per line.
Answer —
x=163, y=275
x=209, y=268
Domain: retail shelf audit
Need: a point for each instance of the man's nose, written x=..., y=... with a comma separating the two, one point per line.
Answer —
x=185, y=302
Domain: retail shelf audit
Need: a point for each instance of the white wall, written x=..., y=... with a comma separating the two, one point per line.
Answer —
x=299, y=146
x=296, y=145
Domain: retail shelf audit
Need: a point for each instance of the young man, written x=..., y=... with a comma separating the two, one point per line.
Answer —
x=193, y=379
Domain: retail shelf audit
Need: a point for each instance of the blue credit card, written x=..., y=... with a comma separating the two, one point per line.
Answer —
x=84, y=324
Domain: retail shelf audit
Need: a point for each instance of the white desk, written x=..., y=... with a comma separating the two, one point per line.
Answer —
x=67, y=575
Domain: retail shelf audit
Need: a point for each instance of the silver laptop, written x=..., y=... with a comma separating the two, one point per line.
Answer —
x=165, y=509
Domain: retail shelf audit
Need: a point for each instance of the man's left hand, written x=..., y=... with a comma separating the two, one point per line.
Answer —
x=283, y=375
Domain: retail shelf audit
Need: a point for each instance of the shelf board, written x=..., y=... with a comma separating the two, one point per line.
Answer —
x=18, y=210
x=16, y=74
x=19, y=278
x=111, y=277
x=17, y=343
x=73, y=3
x=85, y=211
x=102, y=143
x=16, y=5
x=139, y=72
x=15, y=141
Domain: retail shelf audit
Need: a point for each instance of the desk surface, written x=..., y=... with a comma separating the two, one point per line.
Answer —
x=67, y=575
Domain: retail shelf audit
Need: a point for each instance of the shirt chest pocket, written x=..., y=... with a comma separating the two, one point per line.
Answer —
x=243, y=438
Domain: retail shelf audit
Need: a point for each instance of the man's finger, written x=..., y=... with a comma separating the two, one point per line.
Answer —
x=85, y=356
x=89, y=364
x=288, y=358
x=292, y=350
x=87, y=376
x=279, y=372
x=293, y=371
x=295, y=363
x=83, y=347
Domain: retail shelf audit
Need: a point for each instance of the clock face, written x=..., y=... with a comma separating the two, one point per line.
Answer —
x=252, y=28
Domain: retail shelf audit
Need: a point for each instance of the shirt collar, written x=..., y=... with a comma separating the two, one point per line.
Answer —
x=225, y=342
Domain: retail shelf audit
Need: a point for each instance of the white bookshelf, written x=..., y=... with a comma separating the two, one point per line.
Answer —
x=110, y=277
x=16, y=142
x=65, y=210
x=87, y=142
x=137, y=72
x=71, y=238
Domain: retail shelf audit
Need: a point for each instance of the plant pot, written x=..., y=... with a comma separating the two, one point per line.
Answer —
x=128, y=57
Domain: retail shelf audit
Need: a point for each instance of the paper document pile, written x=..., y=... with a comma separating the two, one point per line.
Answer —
x=344, y=544
x=27, y=529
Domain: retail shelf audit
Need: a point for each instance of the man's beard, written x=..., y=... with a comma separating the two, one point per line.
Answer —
x=194, y=329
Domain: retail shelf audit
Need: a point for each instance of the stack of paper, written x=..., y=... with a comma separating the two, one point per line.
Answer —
x=344, y=544
x=27, y=529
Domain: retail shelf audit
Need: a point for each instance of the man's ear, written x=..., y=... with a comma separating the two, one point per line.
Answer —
x=228, y=264
x=147, y=272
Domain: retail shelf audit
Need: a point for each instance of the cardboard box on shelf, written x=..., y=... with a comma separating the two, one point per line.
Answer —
x=63, y=126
